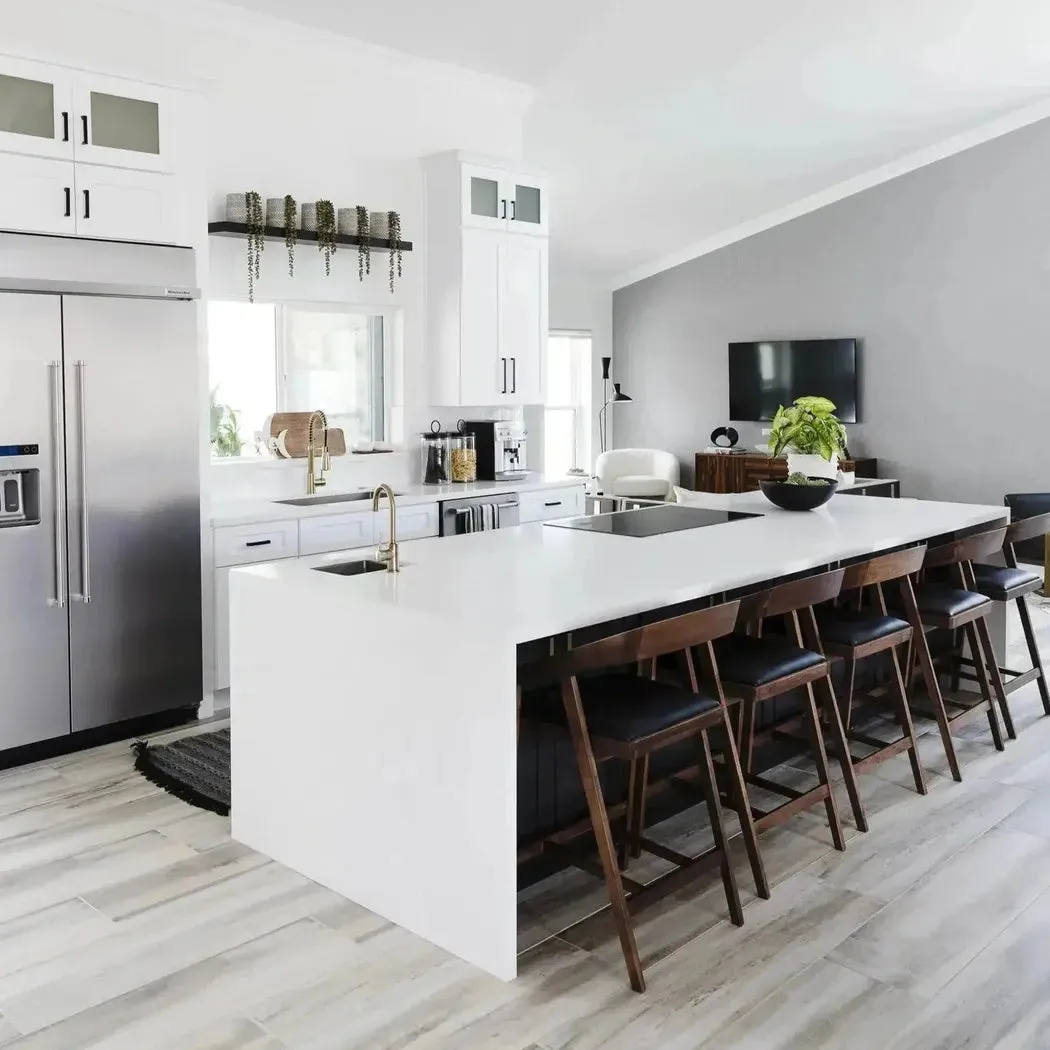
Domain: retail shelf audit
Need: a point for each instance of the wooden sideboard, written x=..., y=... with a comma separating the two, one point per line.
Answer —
x=742, y=471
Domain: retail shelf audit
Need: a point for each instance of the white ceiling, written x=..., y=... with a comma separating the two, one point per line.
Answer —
x=664, y=123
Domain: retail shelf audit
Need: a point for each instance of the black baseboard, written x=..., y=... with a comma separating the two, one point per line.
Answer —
x=87, y=738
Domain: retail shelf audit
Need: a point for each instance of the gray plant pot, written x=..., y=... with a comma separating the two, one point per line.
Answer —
x=236, y=208
x=275, y=212
x=309, y=216
x=379, y=221
x=346, y=222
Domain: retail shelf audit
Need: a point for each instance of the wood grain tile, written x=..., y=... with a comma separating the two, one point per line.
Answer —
x=235, y=1034
x=43, y=935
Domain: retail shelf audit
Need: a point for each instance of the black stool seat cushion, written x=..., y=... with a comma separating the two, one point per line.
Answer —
x=940, y=599
x=620, y=706
x=758, y=661
x=855, y=627
x=1001, y=584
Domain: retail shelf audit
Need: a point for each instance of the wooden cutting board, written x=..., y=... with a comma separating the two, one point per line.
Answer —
x=295, y=427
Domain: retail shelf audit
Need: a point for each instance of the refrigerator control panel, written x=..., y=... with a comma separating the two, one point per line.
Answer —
x=19, y=450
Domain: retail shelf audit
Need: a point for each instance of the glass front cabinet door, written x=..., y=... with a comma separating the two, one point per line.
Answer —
x=529, y=205
x=36, y=110
x=486, y=200
x=122, y=125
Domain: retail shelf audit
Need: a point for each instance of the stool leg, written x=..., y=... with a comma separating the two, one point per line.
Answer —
x=623, y=850
x=821, y=758
x=718, y=831
x=907, y=726
x=838, y=736
x=592, y=789
x=995, y=675
x=986, y=690
x=957, y=642
x=637, y=805
x=743, y=807
x=747, y=734
x=850, y=669
x=1033, y=651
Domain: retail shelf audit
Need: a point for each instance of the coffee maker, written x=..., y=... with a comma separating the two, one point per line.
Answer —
x=501, y=448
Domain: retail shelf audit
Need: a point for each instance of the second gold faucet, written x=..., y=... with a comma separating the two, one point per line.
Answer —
x=388, y=552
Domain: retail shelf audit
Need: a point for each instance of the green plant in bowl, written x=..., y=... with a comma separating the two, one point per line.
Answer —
x=808, y=427
x=798, y=478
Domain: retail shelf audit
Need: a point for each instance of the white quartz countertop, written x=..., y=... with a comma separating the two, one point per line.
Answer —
x=252, y=511
x=538, y=580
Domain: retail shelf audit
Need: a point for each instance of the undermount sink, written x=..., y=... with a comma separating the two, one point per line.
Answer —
x=335, y=497
x=352, y=568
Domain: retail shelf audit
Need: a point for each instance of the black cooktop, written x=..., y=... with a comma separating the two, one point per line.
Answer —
x=651, y=521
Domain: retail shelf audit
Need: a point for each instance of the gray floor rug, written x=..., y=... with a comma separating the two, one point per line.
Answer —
x=193, y=768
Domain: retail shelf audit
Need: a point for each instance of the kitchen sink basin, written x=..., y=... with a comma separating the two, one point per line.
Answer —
x=335, y=497
x=352, y=568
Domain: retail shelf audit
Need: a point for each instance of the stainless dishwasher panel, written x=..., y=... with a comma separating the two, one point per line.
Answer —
x=506, y=507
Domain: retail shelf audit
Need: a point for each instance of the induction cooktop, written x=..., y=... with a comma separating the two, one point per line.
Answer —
x=651, y=521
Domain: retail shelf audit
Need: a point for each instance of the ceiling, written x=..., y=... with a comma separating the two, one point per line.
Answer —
x=664, y=123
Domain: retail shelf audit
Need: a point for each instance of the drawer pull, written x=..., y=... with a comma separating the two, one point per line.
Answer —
x=553, y=503
x=258, y=543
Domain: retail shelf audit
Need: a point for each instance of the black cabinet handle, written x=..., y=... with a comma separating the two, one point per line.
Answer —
x=513, y=375
x=504, y=360
x=504, y=203
x=87, y=204
x=553, y=503
x=513, y=209
x=65, y=126
x=69, y=202
x=258, y=543
x=84, y=120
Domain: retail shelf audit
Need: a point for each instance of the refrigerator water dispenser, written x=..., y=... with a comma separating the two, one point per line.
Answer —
x=19, y=497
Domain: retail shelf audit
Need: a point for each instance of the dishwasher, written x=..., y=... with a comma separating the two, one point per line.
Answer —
x=479, y=513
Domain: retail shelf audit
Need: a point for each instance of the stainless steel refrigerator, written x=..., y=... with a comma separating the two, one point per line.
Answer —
x=100, y=576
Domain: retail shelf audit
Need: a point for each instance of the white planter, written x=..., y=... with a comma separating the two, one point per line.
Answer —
x=813, y=466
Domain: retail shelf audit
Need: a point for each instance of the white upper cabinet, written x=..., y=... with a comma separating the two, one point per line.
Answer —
x=523, y=316
x=122, y=124
x=39, y=195
x=501, y=200
x=36, y=109
x=121, y=205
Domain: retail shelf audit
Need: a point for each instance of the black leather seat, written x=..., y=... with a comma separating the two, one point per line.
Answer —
x=757, y=661
x=856, y=627
x=1003, y=584
x=620, y=706
x=940, y=599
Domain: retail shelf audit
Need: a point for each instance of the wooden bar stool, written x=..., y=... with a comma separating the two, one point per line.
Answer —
x=757, y=669
x=1011, y=583
x=953, y=606
x=853, y=632
x=627, y=716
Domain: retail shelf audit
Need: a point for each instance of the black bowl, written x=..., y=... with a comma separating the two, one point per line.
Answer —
x=798, y=497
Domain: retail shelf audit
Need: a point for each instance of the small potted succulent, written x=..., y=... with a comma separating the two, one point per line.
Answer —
x=811, y=435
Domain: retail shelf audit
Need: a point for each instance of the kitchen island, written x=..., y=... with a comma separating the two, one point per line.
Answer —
x=374, y=744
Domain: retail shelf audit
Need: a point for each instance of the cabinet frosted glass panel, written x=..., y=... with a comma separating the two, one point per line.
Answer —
x=27, y=107
x=125, y=123
x=484, y=197
x=527, y=204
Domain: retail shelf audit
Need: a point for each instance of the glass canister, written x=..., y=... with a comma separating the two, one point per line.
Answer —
x=434, y=455
x=463, y=456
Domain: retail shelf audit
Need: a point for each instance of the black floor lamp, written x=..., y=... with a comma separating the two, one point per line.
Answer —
x=618, y=397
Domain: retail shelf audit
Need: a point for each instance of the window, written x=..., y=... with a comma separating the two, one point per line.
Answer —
x=567, y=411
x=265, y=358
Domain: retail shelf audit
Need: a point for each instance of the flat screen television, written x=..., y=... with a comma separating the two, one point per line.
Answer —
x=774, y=372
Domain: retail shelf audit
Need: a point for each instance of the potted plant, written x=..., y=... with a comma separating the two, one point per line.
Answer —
x=811, y=435
x=225, y=429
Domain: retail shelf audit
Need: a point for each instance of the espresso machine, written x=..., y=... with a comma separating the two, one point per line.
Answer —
x=500, y=447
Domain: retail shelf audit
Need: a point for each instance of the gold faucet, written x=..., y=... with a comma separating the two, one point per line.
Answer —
x=388, y=552
x=313, y=483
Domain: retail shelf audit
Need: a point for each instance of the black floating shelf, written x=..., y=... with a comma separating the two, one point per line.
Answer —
x=276, y=233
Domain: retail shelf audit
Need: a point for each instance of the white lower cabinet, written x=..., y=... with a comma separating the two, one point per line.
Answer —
x=547, y=504
x=335, y=532
x=413, y=523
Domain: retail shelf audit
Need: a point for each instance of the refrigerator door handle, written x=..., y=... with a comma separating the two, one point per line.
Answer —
x=85, y=544
x=54, y=375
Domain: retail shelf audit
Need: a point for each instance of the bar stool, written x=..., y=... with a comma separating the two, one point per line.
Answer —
x=1011, y=583
x=953, y=606
x=627, y=716
x=757, y=669
x=851, y=633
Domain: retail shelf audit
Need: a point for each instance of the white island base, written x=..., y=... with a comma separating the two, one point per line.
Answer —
x=373, y=717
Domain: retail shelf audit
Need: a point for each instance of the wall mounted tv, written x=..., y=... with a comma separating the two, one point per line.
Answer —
x=774, y=372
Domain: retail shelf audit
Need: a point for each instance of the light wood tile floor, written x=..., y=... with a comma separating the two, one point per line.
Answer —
x=130, y=921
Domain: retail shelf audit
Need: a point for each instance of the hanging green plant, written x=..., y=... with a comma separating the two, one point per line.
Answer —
x=326, y=232
x=291, y=231
x=394, y=226
x=364, y=249
x=253, y=208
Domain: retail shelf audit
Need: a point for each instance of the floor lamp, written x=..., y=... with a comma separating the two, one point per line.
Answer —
x=618, y=397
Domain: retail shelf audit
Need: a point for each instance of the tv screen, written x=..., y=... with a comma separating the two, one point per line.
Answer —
x=765, y=375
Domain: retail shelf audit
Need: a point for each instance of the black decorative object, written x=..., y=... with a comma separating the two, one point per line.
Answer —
x=617, y=397
x=253, y=208
x=799, y=497
x=364, y=253
x=730, y=435
x=291, y=228
x=326, y=233
x=394, y=232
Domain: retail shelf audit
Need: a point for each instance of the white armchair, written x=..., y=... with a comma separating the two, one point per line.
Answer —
x=646, y=473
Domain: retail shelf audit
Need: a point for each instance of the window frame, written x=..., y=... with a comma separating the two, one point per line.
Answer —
x=580, y=380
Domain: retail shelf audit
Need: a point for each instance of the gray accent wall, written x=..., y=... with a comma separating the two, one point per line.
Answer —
x=943, y=273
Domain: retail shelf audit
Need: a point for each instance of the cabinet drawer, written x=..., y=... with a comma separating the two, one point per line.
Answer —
x=335, y=532
x=551, y=503
x=413, y=523
x=243, y=544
